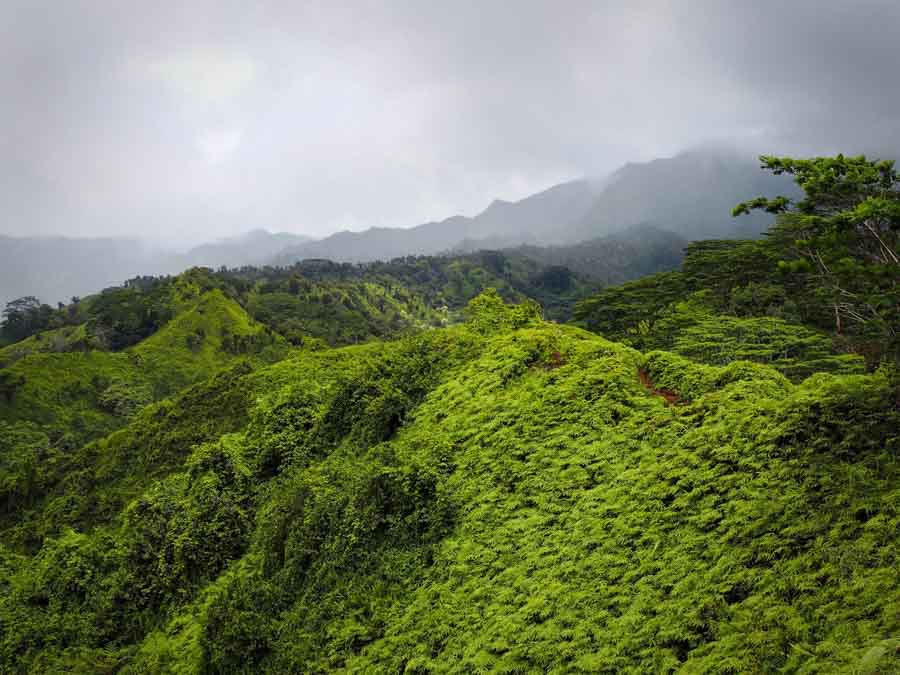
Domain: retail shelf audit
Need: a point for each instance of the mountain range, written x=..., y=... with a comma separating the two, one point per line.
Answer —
x=685, y=197
x=690, y=195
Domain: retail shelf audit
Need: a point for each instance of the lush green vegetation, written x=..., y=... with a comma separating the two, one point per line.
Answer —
x=376, y=299
x=206, y=474
x=509, y=495
x=69, y=385
x=310, y=303
x=829, y=271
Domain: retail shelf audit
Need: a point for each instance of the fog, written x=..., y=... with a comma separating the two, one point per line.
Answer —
x=184, y=121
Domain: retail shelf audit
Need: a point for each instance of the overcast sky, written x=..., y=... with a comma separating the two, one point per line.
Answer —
x=185, y=120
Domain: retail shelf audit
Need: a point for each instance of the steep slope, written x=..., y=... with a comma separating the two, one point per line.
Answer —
x=691, y=194
x=509, y=496
x=628, y=254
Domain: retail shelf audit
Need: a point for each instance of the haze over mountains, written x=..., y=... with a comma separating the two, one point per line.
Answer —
x=56, y=268
x=674, y=200
x=690, y=195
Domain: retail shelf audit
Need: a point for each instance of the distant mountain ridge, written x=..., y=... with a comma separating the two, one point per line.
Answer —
x=533, y=219
x=252, y=248
x=690, y=195
x=56, y=268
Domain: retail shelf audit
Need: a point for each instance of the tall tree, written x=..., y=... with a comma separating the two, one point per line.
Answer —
x=843, y=236
x=23, y=317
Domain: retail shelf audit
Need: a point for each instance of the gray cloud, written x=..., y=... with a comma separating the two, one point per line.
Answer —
x=188, y=120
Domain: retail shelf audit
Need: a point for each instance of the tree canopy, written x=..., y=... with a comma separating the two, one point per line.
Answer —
x=843, y=236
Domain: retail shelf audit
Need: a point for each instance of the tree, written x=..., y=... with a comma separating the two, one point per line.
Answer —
x=124, y=316
x=24, y=317
x=843, y=236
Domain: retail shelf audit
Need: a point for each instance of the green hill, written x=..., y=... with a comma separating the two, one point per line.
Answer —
x=509, y=496
x=385, y=468
x=85, y=393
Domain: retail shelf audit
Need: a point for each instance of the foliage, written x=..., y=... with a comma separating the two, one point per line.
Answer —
x=843, y=238
x=346, y=303
x=828, y=267
x=311, y=303
x=56, y=340
x=184, y=492
x=122, y=317
x=508, y=495
x=792, y=349
x=487, y=313
x=631, y=308
x=76, y=396
x=10, y=383
x=24, y=317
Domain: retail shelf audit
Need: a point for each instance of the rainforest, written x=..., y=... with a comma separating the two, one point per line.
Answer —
x=475, y=462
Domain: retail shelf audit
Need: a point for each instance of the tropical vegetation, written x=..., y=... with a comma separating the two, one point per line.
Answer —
x=421, y=466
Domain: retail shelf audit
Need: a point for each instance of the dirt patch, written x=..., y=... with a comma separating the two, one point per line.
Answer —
x=670, y=396
x=556, y=360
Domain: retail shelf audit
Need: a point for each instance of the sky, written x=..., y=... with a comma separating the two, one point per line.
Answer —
x=180, y=121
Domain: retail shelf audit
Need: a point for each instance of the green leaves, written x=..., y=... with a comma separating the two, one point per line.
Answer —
x=487, y=313
x=847, y=228
x=774, y=205
x=506, y=496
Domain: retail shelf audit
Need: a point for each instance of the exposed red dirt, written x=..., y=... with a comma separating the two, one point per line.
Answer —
x=671, y=397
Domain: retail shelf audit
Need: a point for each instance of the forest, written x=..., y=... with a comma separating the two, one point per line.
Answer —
x=491, y=461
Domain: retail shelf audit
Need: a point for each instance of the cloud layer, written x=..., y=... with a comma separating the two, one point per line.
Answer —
x=182, y=121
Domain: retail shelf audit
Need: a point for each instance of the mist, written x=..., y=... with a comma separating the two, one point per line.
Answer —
x=183, y=122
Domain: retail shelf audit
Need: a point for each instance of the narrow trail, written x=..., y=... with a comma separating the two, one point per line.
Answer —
x=670, y=396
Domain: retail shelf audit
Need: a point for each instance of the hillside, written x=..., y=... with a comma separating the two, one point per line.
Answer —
x=409, y=466
x=690, y=194
x=425, y=290
x=87, y=367
x=511, y=495
x=76, y=390
x=314, y=301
